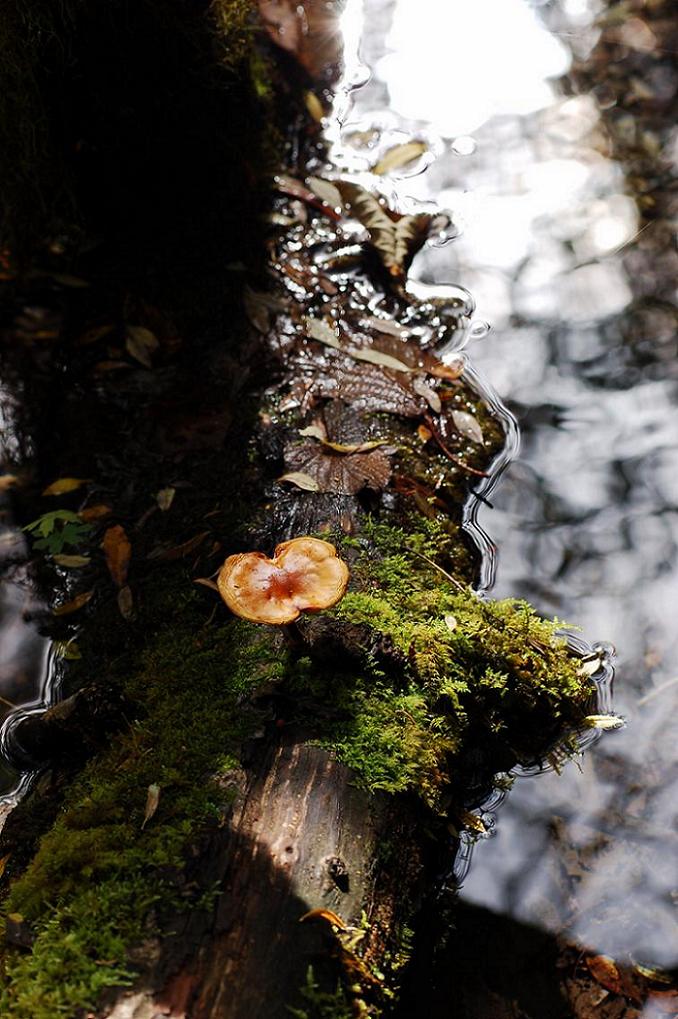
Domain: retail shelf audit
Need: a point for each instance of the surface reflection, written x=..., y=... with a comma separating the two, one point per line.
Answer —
x=573, y=278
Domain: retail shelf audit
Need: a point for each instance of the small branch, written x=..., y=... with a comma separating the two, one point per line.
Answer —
x=460, y=463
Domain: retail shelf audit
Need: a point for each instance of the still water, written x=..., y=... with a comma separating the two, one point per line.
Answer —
x=576, y=287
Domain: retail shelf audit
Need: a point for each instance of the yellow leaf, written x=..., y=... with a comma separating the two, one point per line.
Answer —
x=314, y=106
x=140, y=344
x=117, y=551
x=63, y=485
x=8, y=481
x=399, y=156
x=605, y=722
x=165, y=498
x=301, y=480
x=73, y=605
x=71, y=561
x=152, y=801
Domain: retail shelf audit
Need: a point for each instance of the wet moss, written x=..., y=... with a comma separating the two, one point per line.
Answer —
x=482, y=679
x=101, y=879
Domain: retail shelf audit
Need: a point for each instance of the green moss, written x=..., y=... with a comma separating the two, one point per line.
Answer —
x=473, y=675
x=100, y=880
x=320, y=1004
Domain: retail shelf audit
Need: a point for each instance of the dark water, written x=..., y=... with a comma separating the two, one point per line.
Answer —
x=582, y=349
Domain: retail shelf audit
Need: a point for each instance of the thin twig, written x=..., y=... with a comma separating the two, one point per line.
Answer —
x=451, y=456
x=431, y=562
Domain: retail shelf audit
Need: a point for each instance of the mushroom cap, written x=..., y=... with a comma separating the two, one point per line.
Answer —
x=304, y=575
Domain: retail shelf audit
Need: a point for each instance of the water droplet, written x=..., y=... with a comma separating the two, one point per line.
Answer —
x=479, y=329
x=464, y=145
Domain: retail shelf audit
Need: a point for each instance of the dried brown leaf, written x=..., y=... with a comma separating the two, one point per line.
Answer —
x=96, y=512
x=73, y=605
x=126, y=603
x=117, y=552
x=341, y=473
x=326, y=191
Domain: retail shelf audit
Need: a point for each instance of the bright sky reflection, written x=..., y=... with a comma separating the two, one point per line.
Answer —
x=473, y=66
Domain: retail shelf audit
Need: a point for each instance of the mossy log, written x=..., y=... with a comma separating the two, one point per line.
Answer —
x=207, y=783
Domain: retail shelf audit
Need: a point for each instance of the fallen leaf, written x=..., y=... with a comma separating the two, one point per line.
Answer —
x=152, y=801
x=63, y=485
x=473, y=822
x=369, y=388
x=395, y=237
x=430, y=395
x=126, y=603
x=117, y=552
x=71, y=561
x=467, y=425
x=314, y=106
x=8, y=481
x=206, y=582
x=165, y=498
x=179, y=551
x=301, y=480
x=357, y=447
x=72, y=606
x=3, y=862
x=399, y=156
x=320, y=330
x=325, y=191
x=93, y=335
x=67, y=649
x=604, y=971
x=96, y=512
x=604, y=722
x=341, y=473
x=314, y=432
x=140, y=344
x=386, y=325
x=451, y=622
x=424, y=433
x=66, y=280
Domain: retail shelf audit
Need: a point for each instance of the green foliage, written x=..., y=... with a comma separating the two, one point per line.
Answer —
x=57, y=530
x=99, y=883
x=491, y=677
x=321, y=1004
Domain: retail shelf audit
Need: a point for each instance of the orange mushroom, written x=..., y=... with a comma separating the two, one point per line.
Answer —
x=304, y=575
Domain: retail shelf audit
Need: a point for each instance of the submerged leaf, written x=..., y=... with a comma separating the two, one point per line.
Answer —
x=396, y=237
x=467, y=425
x=63, y=485
x=326, y=191
x=73, y=605
x=399, y=156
